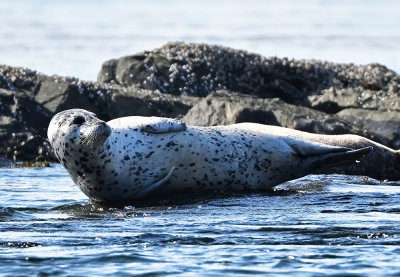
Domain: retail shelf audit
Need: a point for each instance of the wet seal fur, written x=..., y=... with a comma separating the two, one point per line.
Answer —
x=135, y=157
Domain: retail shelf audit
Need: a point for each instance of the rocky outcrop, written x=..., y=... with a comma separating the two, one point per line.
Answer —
x=199, y=69
x=206, y=85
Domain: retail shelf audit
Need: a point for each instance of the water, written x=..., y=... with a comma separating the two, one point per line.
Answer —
x=75, y=37
x=323, y=225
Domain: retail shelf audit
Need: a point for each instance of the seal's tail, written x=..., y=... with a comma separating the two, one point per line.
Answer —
x=327, y=160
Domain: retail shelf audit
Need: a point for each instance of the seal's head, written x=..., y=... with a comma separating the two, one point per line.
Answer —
x=76, y=130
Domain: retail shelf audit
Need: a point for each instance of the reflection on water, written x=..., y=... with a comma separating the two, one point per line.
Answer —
x=317, y=225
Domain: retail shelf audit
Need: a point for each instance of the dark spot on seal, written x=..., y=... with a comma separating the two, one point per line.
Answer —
x=149, y=155
x=126, y=158
x=257, y=167
x=170, y=143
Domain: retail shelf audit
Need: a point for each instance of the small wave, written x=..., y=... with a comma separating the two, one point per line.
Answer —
x=18, y=214
x=192, y=241
x=339, y=184
x=122, y=258
x=88, y=210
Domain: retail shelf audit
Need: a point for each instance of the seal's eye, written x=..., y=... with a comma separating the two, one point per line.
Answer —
x=79, y=120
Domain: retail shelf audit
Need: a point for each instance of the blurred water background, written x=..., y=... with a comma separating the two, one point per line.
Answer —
x=323, y=226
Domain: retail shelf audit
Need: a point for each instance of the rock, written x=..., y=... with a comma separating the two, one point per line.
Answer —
x=385, y=124
x=148, y=103
x=199, y=69
x=23, y=127
x=4, y=162
x=224, y=107
x=334, y=100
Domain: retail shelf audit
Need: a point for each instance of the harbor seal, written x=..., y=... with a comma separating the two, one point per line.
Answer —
x=135, y=157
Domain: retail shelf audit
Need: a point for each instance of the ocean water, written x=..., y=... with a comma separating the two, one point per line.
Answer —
x=320, y=225
x=323, y=226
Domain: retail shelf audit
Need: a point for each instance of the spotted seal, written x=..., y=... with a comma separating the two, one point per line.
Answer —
x=135, y=157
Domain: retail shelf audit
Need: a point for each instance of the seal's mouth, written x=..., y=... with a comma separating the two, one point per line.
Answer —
x=94, y=136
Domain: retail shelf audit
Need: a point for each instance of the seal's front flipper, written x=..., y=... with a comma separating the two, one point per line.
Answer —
x=164, y=125
x=146, y=191
x=332, y=159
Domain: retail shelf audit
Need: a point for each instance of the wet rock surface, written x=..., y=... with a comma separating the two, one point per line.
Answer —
x=205, y=85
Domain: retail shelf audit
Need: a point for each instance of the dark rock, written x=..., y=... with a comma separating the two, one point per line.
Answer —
x=148, y=103
x=385, y=124
x=334, y=100
x=23, y=127
x=4, y=162
x=200, y=69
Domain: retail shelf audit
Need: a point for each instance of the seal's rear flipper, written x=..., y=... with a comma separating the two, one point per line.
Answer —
x=326, y=160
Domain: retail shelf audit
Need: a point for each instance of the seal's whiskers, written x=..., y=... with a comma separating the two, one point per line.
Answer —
x=90, y=137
